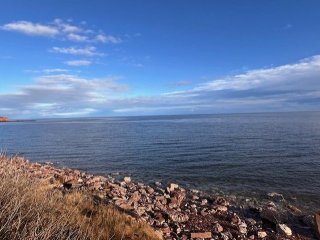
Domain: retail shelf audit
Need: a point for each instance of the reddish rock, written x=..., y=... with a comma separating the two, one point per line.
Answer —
x=177, y=198
x=262, y=234
x=4, y=119
x=201, y=235
x=172, y=187
x=135, y=196
x=317, y=224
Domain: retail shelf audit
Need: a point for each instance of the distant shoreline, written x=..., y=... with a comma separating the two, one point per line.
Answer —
x=10, y=121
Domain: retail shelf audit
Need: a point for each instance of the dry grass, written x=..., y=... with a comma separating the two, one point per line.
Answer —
x=31, y=209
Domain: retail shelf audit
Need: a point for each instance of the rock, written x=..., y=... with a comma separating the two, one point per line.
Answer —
x=251, y=221
x=158, y=184
x=235, y=219
x=204, y=202
x=262, y=234
x=317, y=224
x=127, y=180
x=222, y=208
x=222, y=201
x=172, y=187
x=150, y=190
x=204, y=212
x=201, y=235
x=284, y=229
x=178, y=217
x=273, y=215
x=140, y=210
x=276, y=196
x=125, y=206
x=271, y=204
x=159, y=217
x=177, y=198
x=165, y=230
x=194, y=197
x=217, y=228
x=294, y=209
x=243, y=228
x=143, y=191
x=224, y=236
x=135, y=197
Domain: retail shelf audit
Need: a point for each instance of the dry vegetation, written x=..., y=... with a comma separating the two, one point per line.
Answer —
x=31, y=208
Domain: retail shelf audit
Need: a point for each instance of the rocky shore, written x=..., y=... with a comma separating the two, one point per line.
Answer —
x=178, y=213
x=4, y=119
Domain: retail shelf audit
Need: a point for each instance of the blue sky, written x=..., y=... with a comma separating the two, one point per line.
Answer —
x=103, y=58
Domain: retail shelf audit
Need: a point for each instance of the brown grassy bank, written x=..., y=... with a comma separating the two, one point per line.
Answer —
x=31, y=208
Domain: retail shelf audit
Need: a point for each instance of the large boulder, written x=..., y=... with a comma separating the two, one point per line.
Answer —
x=317, y=224
x=273, y=215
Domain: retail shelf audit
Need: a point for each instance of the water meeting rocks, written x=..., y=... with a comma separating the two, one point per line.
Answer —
x=178, y=213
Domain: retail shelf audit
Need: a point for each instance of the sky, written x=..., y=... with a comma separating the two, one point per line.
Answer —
x=80, y=58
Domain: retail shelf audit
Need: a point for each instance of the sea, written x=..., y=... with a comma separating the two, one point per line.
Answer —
x=246, y=155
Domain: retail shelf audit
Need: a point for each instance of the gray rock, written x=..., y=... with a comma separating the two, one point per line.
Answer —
x=273, y=215
x=276, y=196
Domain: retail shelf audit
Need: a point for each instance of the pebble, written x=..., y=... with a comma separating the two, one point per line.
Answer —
x=262, y=234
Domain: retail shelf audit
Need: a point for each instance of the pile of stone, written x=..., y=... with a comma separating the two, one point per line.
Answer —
x=177, y=213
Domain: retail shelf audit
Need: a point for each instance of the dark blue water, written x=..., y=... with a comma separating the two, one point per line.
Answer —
x=247, y=154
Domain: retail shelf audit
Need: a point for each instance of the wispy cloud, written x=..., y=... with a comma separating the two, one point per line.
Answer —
x=66, y=27
x=54, y=70
x=86, y=51
x=78, y=63
x=33, y=29
x=288, y=26
x=77, y=38
x=63, y=30
x=107, y=39
x=286, y=77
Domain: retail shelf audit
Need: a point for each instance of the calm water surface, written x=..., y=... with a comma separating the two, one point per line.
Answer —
x=246, y=154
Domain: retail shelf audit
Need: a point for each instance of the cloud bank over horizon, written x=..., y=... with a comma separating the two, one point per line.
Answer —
x=289, y=87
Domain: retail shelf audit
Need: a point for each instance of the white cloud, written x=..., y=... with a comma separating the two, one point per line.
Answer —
x=286, y=77
x=107, y=39
x=87, y=51
x=54, y=70
x=61, y=95
x=30, y=28
x=66, y=27
x=78, y=63
x=63, y=30
x=77, y=38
